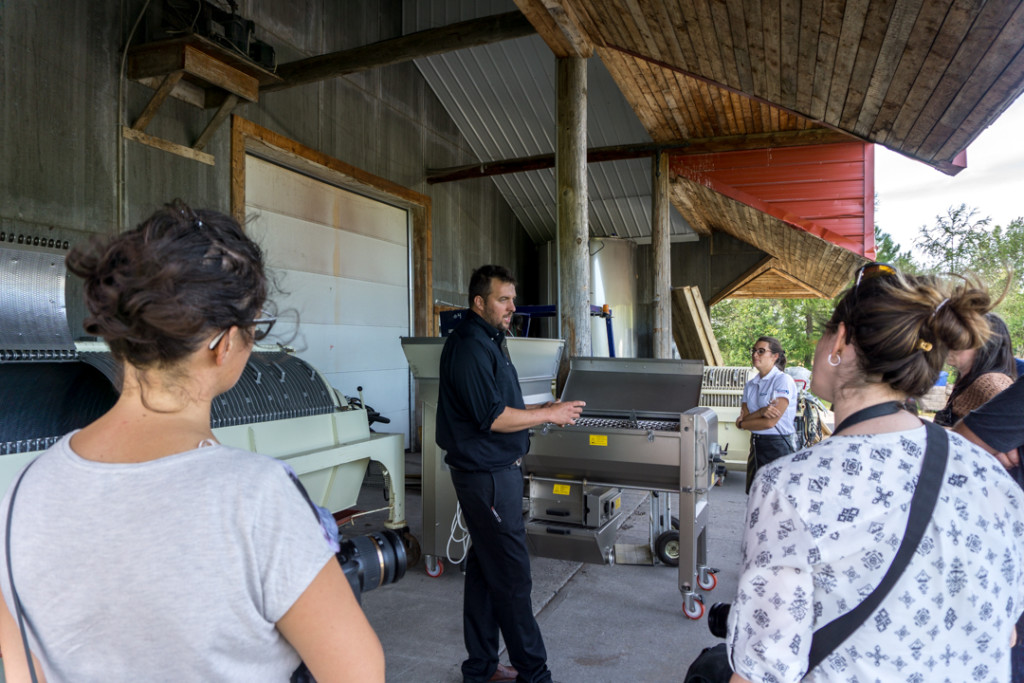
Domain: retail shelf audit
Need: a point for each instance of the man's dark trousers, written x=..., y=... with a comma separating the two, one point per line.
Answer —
x=498, y=581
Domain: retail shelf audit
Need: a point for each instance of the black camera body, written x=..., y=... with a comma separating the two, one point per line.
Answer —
x=373, y=560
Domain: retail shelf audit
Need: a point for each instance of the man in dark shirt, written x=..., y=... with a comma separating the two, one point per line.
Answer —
x=998, y=428
x=483, y=425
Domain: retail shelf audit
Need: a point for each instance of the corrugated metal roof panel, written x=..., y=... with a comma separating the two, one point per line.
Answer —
x=502, y=98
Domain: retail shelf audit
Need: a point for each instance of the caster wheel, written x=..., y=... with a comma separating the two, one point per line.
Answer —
x=667, y=548
x=709, y=584
x=696, y=613
x=434, y=568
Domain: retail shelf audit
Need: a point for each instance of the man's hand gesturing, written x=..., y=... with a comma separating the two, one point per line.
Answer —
x=565, y=413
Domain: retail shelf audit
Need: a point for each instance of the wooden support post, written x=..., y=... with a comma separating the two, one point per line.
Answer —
x=661, y=250
x=573, y=232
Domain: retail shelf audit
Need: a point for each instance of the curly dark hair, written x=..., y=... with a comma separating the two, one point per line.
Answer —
x=156, y=292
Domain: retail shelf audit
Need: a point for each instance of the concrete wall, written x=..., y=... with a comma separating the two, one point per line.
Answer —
x=711, y=263
x=61, y=145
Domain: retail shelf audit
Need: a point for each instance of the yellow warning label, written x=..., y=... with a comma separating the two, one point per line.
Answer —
x=562, y=489
x=598, y=439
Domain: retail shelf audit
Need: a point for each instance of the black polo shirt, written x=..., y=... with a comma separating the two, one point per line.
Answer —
x=478, y=381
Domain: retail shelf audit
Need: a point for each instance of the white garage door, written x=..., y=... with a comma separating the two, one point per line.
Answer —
x=342, y=262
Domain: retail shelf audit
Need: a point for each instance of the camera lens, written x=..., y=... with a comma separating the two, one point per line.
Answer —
x=718, y=619
x=373, y=560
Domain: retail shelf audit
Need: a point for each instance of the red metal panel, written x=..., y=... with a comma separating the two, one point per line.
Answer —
x=827, y=190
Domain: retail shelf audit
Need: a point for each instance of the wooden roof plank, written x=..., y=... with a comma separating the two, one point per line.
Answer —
x=678, y=39
x=616, y=16
x=926, y=27
x=955, y=24
x=643, y=18
x=810, y=25
x=825, y=59
x=849, y=40
x=771, y=26
x=984, y=30
x=721, y=19
x=696, y=32
x=755, y=41
x=1005, y=90
x=663, y=90
x=982, y=76
x=894, y=46
x=740, y=42
x=877, y=23
x=557, y=26
x=743, y=279
x=789, y=32
x=687, y=87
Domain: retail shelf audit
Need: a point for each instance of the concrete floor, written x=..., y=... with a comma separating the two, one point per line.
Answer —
x=600, y=623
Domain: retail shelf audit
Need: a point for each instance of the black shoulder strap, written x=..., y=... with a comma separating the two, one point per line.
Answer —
x=926, y=493
x=10, y=574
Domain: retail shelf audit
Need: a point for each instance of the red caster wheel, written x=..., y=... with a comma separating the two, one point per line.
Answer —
x=434, y=567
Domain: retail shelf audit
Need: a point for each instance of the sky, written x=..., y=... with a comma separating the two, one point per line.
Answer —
x=911, y=194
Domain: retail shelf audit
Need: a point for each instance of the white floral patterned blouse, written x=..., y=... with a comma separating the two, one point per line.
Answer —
x=822, y=527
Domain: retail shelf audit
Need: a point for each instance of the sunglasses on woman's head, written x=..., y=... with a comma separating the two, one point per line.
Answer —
x=758, y=351
x=872, y=270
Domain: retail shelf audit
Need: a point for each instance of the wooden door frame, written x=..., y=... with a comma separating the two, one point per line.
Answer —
x=248, y=137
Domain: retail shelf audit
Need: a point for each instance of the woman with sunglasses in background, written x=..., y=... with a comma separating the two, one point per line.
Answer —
x=824, y=526
x=140, y=548
x=981, y=373
x=768, y=409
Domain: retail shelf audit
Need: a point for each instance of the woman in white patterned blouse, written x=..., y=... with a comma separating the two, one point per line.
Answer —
x=824, y=524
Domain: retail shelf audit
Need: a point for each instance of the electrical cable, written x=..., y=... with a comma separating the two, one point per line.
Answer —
x=120, y=198
x=461, y=540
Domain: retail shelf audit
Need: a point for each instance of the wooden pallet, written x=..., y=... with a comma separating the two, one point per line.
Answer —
x=691, y=327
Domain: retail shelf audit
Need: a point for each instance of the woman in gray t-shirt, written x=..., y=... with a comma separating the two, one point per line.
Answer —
x=141, y=549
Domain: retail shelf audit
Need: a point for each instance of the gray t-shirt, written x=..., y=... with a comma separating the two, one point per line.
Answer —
x=175, y=569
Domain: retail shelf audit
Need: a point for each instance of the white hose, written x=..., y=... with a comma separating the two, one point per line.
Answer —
x=459, y=536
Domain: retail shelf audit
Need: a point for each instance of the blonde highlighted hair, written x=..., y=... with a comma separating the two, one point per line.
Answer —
x=904, y=325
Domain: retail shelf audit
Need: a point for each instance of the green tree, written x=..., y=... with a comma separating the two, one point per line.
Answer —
x=963, y=244
x=953, y=244
x=888, y=251
x=796, y=323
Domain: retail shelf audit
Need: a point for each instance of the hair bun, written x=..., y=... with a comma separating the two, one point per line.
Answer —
x=153, y=292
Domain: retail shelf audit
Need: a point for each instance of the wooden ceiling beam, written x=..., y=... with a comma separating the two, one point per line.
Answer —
x=748, y=276
x=730, y=143
x=472, y=33
x=558, y=26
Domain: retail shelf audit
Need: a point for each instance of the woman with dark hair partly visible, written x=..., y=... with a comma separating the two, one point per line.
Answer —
x=141, y=549
x=981, y=373
x=768, y=408
x=824, y=525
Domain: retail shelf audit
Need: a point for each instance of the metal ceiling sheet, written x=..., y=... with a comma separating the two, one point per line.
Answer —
x=502, y=98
